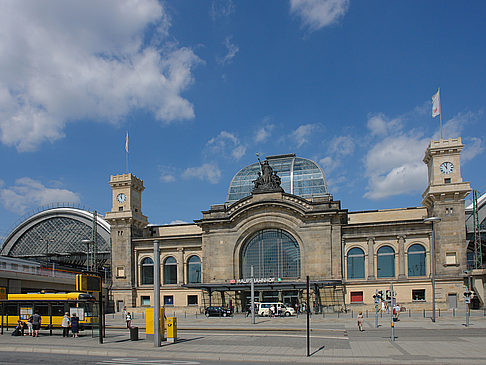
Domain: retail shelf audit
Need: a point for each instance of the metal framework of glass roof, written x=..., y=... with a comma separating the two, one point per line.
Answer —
x=56, y=235
x=299, y=176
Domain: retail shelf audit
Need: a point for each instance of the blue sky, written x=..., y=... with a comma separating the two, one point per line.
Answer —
x=202, y=86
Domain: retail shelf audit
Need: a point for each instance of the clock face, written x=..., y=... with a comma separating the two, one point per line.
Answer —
x=446, y=167
x=121, y=198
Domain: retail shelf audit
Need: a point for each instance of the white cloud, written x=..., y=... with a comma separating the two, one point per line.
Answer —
x=231, y=51
x=472, y=148
x=221, y=9
x=63, y=61
x=316, y=14
x=226, y=144
x=302, y=133
x=380, y=126
x=28, y=193
x=167, y=178
x=341, y=146
x=329, y=164
x=177, y=221
x=207, y=171
x=264, y=132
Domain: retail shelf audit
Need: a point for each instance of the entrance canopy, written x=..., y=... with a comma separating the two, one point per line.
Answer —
x=286, y=285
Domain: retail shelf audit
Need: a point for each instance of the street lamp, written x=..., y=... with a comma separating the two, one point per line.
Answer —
x=87, y=243
x=432, y=220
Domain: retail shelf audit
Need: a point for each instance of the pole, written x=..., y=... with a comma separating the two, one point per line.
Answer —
x=440, y=115
x=156, y=294
x=252, y=296
x=308, y=316
x=468, y=301
x=433, y=272
x=100, y=312
x=392, y=304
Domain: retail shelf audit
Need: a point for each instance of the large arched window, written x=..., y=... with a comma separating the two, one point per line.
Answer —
x=416, y=260
x=194, y=269
x=386, y=262
x=170, y=270
x=273, y=253
x=147, y=271
x=356, y=263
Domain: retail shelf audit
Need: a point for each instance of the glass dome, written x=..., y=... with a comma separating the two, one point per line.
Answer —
x=299, y=176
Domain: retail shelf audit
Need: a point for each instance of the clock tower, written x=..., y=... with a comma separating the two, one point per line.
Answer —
x=127, y=222
x=444, y=198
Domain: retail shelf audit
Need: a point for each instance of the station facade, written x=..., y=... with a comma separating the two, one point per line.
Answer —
x=294, y=230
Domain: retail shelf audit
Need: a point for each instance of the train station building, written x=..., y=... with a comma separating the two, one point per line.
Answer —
x=280, y=220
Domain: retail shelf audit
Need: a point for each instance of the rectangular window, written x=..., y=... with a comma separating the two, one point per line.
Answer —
x=14, y=267
x=120, y=271
x=418, y=295
x=120, y=209
x=168, y=300
x=447, y=180
x=356, y=297
x=145, y=300
x=450, y=258
x=192, y=300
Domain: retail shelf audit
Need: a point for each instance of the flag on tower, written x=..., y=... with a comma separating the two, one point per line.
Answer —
x=126, y=142
x=436, y=104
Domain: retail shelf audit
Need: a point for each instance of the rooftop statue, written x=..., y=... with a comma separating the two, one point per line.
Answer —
x=267, y=180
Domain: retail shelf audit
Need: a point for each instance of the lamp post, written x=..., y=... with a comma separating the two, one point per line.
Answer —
x=87, y=243
x=432, y=220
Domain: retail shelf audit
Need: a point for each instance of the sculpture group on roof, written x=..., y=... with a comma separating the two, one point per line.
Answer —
x=267, y=179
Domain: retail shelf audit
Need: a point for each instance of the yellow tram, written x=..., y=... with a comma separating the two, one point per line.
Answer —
x=51, y=307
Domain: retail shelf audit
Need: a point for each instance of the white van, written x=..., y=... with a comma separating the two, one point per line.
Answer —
x=263, y=309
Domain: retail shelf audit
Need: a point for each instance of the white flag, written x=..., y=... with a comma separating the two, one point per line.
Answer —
x=126, y=143
x=436, y=104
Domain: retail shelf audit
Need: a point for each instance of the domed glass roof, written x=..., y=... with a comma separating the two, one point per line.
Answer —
x=299, y=176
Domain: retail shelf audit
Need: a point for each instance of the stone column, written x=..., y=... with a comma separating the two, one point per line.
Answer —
x=371, y=258
x=401, y=257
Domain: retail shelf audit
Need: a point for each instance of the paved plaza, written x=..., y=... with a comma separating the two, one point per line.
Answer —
x=282, y=340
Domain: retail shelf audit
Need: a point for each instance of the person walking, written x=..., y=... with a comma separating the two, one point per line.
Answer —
x=360, y=321
x=36, y=323
x=129, y=319
x=75, y=325
x=65, y=325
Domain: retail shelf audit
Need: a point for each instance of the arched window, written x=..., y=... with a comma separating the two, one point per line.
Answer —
x=194, y=269
x=386, y=262
x=356, y=263
x=416, y=260
x=170, y=270
x=273, y=253
x=147, y=271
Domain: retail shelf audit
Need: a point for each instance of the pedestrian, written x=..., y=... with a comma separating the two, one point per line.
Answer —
x=75, y=325
x=129, y=319
x=360, y=321
x=383, y=307
x=248, y=310
x=124, y=313
x=65, y=325
x=29, y=326
x=387, y=308
x=272, y=311
x=36, y=323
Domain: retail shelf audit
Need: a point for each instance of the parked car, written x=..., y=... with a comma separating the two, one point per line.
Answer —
x=218, y=311
x=263, y=309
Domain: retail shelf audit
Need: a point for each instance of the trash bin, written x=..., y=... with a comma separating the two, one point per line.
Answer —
x=133, y=333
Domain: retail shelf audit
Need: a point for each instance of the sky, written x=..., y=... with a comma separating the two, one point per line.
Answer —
x=202, y=86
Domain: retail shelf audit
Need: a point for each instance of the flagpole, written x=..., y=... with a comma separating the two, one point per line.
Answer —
x=440, y=115
x=126, y=148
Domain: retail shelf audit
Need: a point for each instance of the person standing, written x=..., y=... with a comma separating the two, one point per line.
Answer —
x=75, y=325
x=36, y=323
x=360, y=321
x=65, y=325
x=129, y=319
x=29, y=326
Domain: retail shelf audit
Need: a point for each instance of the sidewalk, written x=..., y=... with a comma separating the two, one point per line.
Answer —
x=281, y=340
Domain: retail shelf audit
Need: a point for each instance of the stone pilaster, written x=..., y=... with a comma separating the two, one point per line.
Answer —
x=371, y=258
x=180, y=267
x=401, y=257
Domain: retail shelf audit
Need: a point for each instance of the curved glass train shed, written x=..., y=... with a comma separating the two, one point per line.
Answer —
x=299, y=176
x=56, y=235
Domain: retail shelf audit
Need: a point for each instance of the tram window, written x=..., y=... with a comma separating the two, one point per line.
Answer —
x=12, y=310
x=42, y=309
x=88, y=309
x=58, y=309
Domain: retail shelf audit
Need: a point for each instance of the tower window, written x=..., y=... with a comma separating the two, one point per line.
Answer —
x=447, y=180
x=120, y=209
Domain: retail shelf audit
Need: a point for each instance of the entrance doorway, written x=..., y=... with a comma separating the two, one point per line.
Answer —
x=452, y=301
x=119, y=305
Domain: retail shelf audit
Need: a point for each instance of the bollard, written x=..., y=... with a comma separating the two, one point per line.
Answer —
x=453, y=312
x=367, y=313
x=352, y=315
x=409, y=313
x=338, y=314
x=424, y=313
x=439, y=312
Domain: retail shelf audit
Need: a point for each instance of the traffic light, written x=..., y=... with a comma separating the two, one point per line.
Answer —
x=468, y=296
